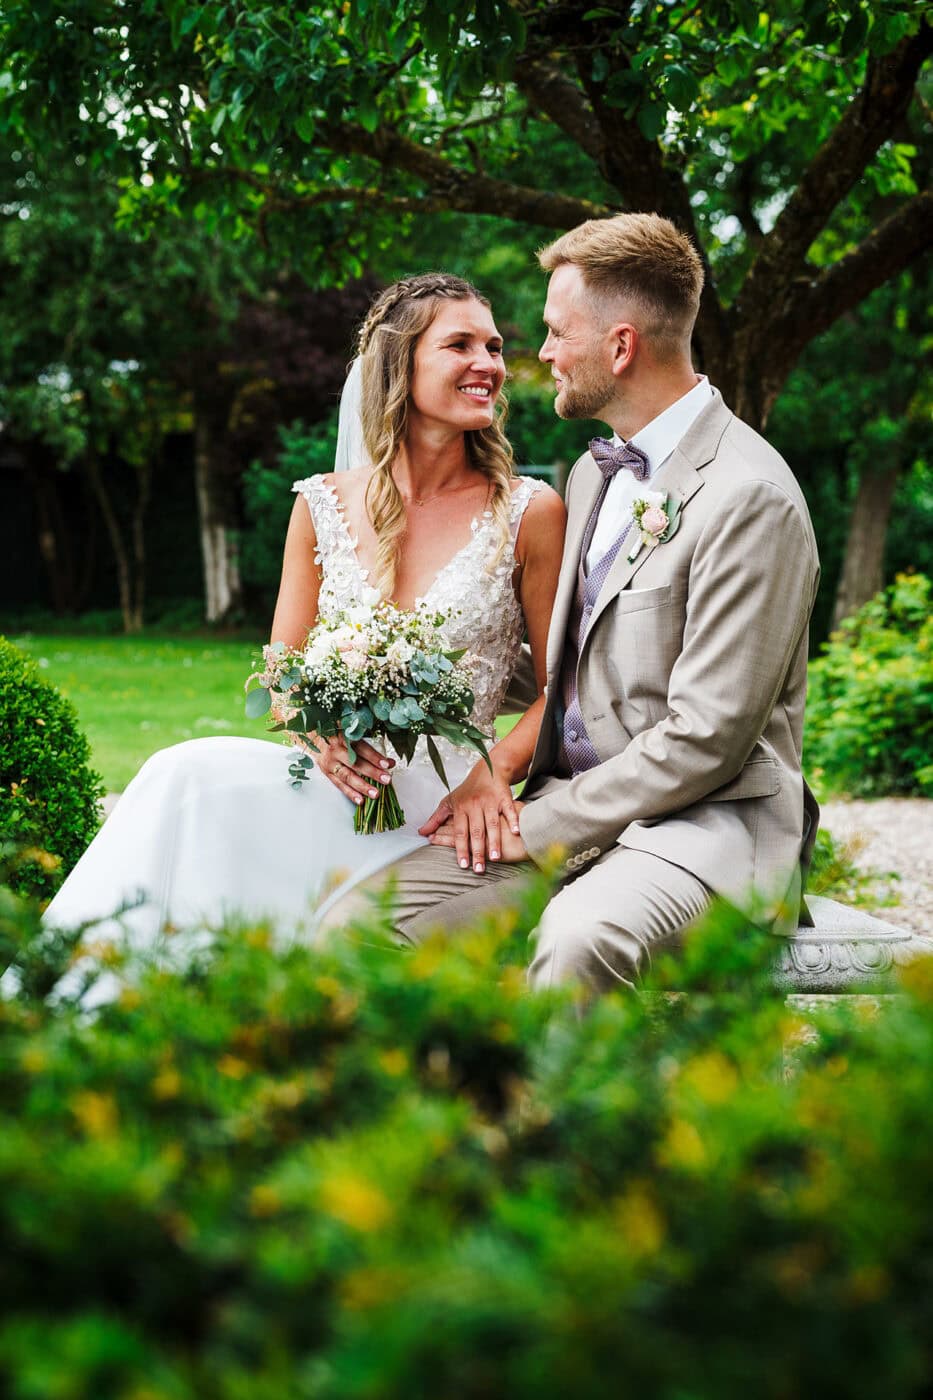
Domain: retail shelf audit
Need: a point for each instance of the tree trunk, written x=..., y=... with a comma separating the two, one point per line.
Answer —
x=749, y=367
x=128, y=580
x=217, y=527
x=861, y=576
x=138, y=534
x=55, y=544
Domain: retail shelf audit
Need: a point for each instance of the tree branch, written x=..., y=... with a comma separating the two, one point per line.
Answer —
x=835, y=169
x=816, y=303
x=562, y=101
x=280, y=199
x=449, y=187
x=393, y=69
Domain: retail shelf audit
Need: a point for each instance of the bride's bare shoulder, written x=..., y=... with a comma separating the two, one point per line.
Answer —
x=357, y=476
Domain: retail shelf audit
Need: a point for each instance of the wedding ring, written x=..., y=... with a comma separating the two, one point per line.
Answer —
x=338, y=767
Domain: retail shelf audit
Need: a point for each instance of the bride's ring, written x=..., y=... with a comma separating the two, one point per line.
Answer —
x=338, y=769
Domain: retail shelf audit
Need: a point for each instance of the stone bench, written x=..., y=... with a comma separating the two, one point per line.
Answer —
x=847, y=950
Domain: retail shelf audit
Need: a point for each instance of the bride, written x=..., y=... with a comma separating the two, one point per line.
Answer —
x=424, y=505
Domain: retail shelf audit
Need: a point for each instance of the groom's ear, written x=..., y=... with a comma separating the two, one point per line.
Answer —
x=624, y=341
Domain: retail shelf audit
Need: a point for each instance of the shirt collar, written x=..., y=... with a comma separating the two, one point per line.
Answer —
x=658, y=438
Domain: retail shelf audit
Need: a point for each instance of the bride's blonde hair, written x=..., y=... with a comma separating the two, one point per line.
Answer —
x=388, y=338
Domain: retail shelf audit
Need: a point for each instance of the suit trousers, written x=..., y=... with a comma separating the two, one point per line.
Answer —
x=599, y=929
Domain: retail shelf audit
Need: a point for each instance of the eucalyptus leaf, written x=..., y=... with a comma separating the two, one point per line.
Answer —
x=359, y=724
x=398, y=715
x=258, y=702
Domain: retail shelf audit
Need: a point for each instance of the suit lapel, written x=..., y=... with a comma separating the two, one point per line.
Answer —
x=677, y=478
x=681, y=478
x=587, y=482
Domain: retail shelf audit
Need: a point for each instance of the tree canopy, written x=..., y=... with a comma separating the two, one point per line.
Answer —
x=788, y=143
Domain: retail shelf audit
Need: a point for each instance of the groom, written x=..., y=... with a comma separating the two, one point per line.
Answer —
x=668, y=763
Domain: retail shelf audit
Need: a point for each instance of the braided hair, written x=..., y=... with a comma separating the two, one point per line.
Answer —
x=388, y=337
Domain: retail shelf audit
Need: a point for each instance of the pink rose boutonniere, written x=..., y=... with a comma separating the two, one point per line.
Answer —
x=658, y=519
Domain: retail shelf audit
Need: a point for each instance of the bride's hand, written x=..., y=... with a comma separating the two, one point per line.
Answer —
x=371, y=771
x=471, y=815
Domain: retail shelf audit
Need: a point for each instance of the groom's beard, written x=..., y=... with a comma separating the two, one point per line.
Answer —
x=586, y=394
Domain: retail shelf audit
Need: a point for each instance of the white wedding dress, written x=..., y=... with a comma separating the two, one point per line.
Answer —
x=211, y=830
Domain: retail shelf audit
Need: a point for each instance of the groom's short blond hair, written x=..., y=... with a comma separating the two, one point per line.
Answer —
x=641, y=259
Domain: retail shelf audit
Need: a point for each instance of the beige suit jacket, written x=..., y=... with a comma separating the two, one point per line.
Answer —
x=692, y=676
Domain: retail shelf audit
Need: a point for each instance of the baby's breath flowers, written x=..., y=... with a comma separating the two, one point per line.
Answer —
x=371, y=672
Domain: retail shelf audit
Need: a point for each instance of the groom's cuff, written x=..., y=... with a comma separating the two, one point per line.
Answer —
x=544, y=845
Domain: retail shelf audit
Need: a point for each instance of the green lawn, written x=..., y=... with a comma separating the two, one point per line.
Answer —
x=137, y=694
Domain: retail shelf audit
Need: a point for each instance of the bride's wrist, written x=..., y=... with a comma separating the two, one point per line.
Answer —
x=505, y=767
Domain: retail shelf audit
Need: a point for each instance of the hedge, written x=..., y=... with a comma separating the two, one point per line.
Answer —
x=869, y=724
x=352, y=1172
x=49, y=795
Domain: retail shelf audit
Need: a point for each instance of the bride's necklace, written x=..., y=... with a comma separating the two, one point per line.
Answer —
x=447, y=491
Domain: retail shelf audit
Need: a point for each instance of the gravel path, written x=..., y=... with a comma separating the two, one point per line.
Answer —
x=891, y=836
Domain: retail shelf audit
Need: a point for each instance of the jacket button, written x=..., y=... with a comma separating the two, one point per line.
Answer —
x=574, y=736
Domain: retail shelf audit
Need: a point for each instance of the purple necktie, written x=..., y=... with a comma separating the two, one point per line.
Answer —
x=611, y=458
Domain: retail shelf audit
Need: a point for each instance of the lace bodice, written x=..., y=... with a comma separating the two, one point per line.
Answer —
x=486, y=617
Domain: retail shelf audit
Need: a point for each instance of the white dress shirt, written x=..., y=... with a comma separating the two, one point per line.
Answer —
x=657, y=440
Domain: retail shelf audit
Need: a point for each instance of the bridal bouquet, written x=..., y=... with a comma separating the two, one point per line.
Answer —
x=371, y=672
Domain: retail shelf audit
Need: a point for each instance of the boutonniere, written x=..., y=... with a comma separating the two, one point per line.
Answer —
x=658, y=519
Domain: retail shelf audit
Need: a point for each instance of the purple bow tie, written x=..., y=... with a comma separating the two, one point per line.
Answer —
x=611, y=458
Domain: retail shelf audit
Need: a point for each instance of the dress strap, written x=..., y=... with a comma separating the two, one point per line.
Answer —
x=336, y=547
x=524, y=492
x=323, y=502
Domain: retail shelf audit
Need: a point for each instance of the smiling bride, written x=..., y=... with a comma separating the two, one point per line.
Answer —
x=424, y=505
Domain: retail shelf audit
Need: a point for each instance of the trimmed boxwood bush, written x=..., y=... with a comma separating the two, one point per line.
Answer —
x=49, y=795
x=359, y=1173
x=869, y=727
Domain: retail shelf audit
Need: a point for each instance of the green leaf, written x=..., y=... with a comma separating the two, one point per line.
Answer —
x=680, y=86
x=405, y=743
x=189, y=21
x=368, y=115
x=651, y=122
x=437, y=761
x=305, y=127
x=258, y=702
x=359, y=723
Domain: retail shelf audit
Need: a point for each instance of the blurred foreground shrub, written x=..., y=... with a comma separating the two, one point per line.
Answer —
x=48, y=794
x=869, y=727
x=357, y=1172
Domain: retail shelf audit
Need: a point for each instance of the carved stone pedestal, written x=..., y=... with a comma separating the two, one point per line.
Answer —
x=847, y=951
